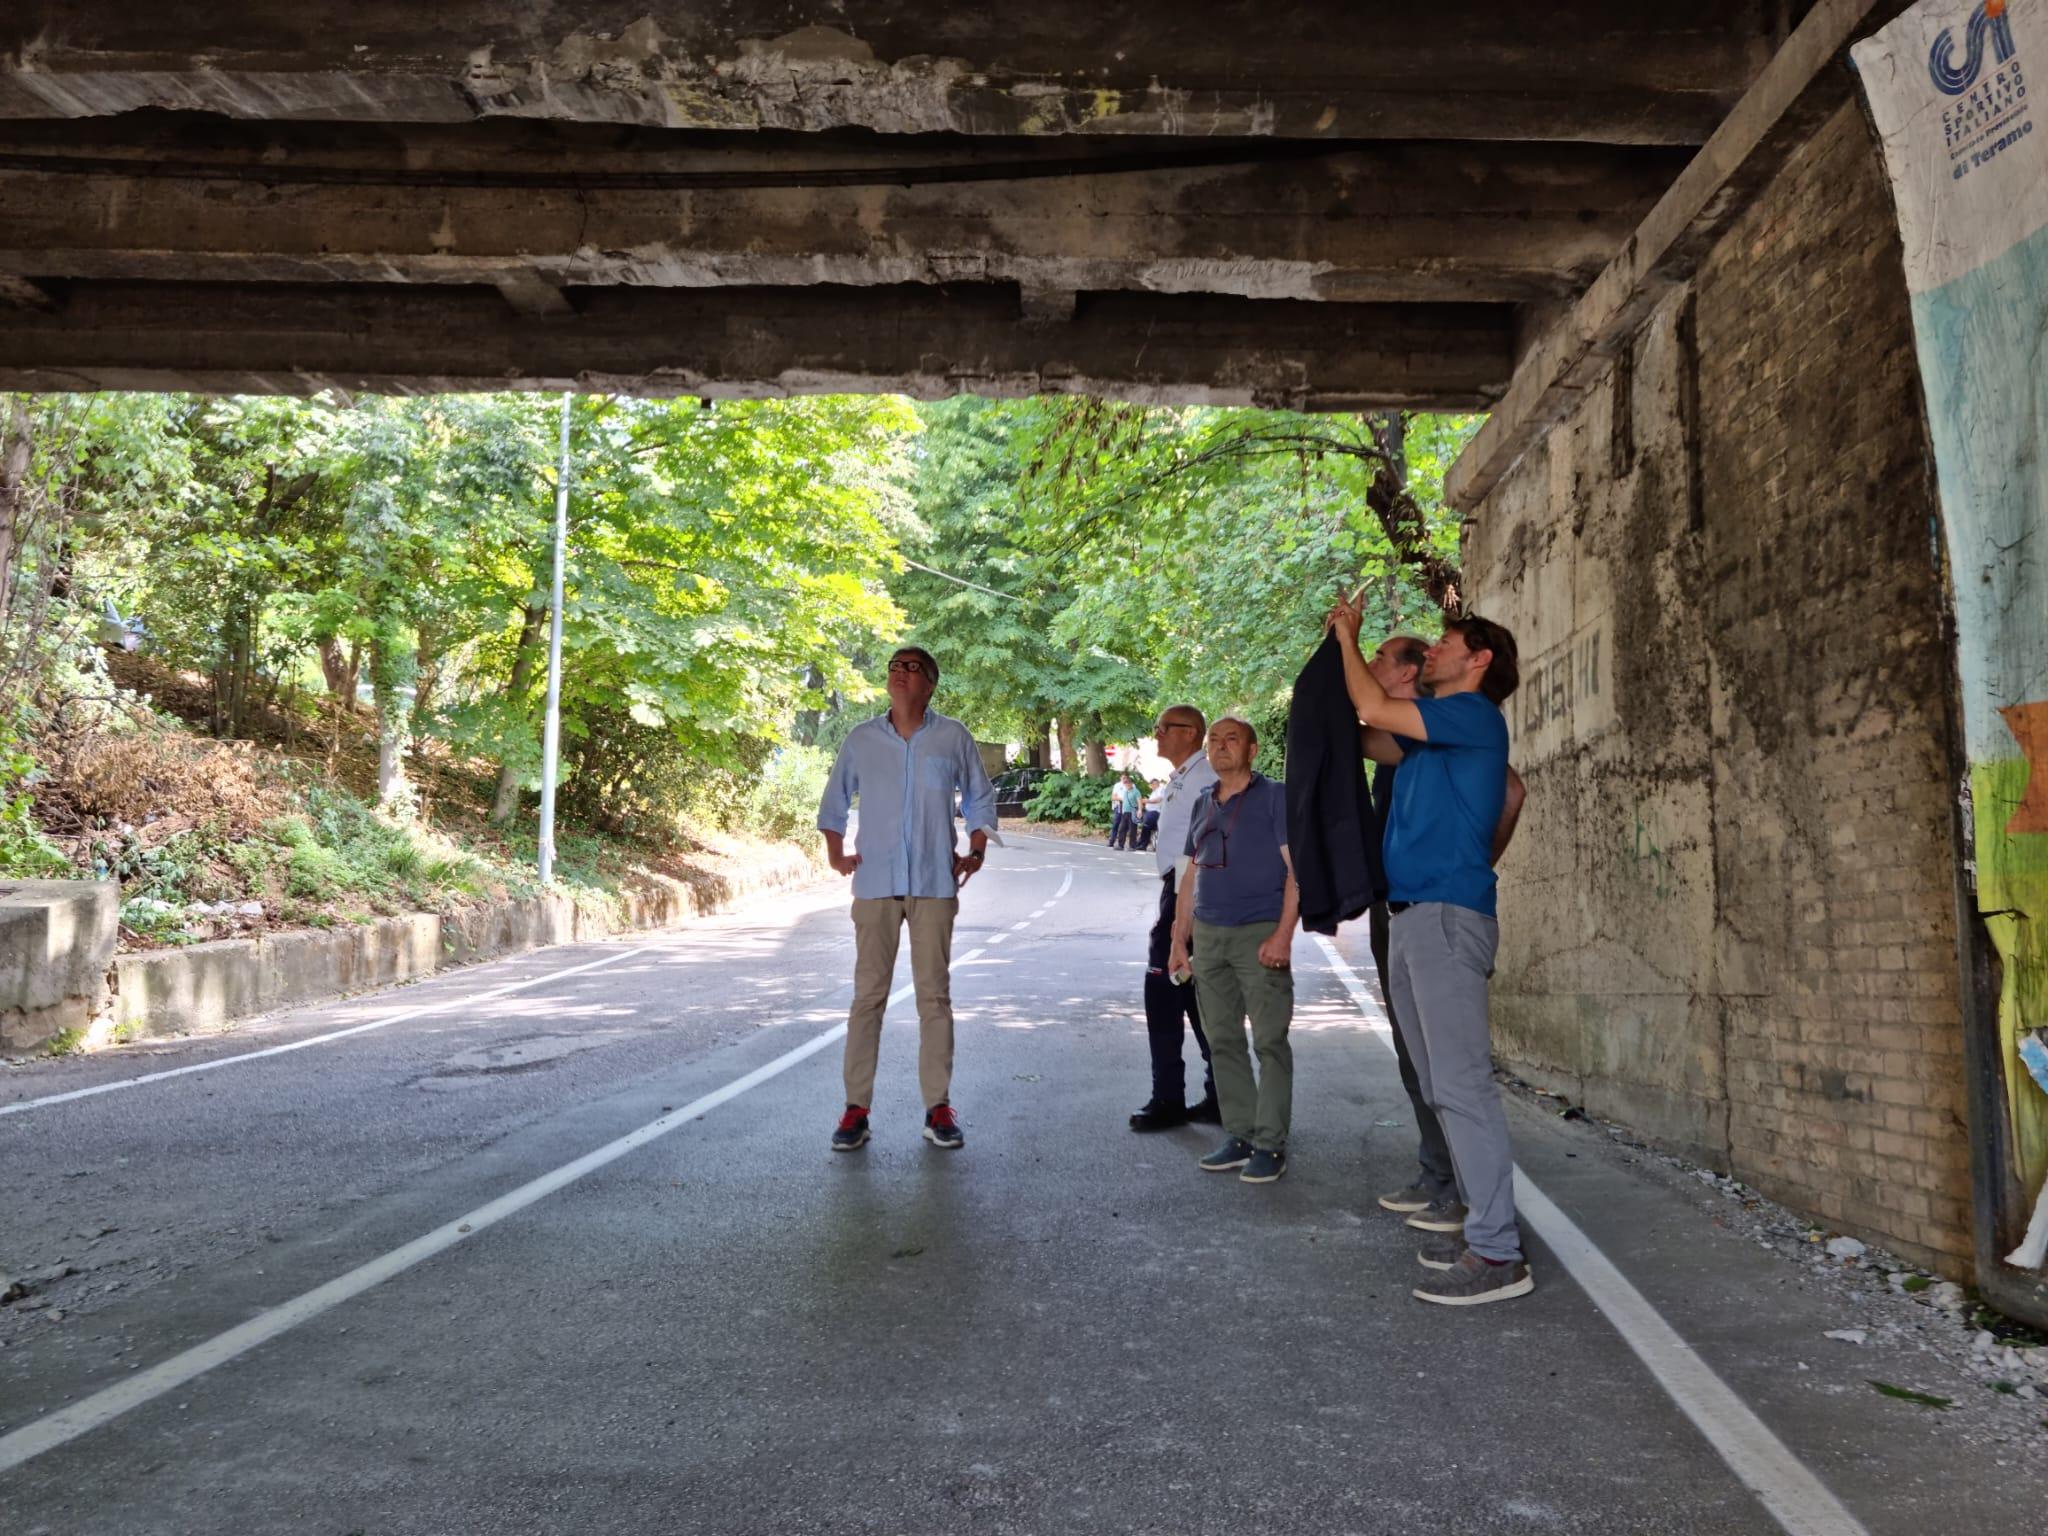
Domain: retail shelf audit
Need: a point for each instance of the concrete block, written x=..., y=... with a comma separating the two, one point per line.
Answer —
x=56, y=942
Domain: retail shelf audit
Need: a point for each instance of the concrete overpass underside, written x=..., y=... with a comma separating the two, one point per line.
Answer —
x=1316, y=206
x=1656, y=242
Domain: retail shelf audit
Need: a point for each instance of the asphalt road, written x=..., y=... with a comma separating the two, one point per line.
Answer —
x=722, y=1327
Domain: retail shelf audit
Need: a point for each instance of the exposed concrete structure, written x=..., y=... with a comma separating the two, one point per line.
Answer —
x=1316, y=206
x=1652, y=237
x=56, y=937
x=1733, y=728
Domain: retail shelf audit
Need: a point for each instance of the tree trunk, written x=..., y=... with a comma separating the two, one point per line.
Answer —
x=339, y=672
x=1390, y=432
x=1096, y=757
x=1069, y=761
x=393, y=735
x=426, y=672
x=14, y=460
x=1041, y=746
x=233, y=669
x=505, y=797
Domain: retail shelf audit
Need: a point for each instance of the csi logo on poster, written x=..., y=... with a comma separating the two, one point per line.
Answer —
x=1988, y=21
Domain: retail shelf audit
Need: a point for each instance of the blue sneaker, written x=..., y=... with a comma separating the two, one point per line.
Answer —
x=1235, y=1152
x=1264, y=1167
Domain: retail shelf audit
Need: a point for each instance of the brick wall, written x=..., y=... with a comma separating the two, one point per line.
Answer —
x=1729, y=916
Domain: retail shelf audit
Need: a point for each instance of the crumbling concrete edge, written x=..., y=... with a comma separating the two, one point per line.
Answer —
x=211, y=986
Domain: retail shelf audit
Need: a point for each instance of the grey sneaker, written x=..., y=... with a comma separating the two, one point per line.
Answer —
x=1235, y=1152
x=1264, y=1167
x=1416, y=1197
x=1440, y=1252
x=1445, y=1215
x=1473, y=1281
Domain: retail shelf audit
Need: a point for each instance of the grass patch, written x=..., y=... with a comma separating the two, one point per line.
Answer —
x=66, y=1042
x=1907, y=1395
x=1915, y=1284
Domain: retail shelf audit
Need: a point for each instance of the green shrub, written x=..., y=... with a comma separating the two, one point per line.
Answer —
x=25, y=854
x=1075, y=797
x=783, y=799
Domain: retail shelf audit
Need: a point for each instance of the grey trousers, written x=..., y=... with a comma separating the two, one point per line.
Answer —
x=1432, y=1152
x=1438, y=961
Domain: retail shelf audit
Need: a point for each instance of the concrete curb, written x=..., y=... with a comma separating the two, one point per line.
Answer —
x=205, y=986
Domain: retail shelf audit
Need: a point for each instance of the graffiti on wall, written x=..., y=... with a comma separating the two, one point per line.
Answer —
x=1948, y=89
x=1567, y=695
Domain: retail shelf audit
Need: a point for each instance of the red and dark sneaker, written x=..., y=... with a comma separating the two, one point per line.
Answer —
x=942, y=1128
x=852, y=1134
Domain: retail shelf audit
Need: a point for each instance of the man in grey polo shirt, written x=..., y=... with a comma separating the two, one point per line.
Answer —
x=1238, y=908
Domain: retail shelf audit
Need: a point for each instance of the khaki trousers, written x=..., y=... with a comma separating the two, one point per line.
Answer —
x=1233, y=984
x=877, y=929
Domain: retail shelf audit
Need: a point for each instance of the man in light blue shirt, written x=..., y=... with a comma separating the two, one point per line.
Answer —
x=905, y=768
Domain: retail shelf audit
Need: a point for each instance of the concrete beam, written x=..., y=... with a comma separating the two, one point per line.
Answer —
x=1613, y=70
x=1804, y=85
x=1377, y=223
x=21, y=293
x=923, y=341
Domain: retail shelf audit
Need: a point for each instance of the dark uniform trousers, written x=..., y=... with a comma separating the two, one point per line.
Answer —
x=1166, y=1006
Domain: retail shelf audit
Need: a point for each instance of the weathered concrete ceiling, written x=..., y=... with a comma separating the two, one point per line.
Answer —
x=1397, y=222
x=924, y=341
x=1616, y=70
x=515, y=193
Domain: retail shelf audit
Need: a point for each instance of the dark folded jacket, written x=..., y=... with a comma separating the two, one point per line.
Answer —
x=1333, y=835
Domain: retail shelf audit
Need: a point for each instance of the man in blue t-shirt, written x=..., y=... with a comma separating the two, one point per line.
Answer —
x=1236, y=913
x=1438, y=847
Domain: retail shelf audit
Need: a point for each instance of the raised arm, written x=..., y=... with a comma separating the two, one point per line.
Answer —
x=1380, y=746
x=1398, y=716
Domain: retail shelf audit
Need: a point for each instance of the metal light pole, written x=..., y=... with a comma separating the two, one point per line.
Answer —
x=551, y=732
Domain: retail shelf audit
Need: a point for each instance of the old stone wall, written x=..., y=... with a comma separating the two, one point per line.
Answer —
x=1728, y=918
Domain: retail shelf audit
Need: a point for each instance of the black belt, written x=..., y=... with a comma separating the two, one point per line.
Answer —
x=1398, y=906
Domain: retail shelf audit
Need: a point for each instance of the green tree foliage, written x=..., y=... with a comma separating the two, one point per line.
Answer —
x=725, y=567
x=735, y=576
x=1141, y=555
x=982, y=601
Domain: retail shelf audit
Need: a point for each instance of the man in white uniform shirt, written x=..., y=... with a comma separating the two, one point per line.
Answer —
x=1180, y=732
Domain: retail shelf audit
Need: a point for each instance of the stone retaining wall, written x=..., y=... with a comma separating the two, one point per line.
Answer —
x=178, y=991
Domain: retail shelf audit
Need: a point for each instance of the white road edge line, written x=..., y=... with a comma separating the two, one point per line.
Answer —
x=400, y=1017
x=67, y=1424
x=1761, y=1462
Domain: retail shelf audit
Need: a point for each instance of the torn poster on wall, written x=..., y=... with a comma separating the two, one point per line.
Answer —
x=1955, y=88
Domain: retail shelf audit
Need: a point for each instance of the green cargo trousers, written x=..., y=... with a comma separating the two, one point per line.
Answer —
x=1231, y=985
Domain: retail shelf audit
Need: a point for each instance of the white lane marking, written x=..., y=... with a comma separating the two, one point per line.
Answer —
x=399, y=1017
x=1066, y=885
x=1020, y=927
x=1796, y=1498
x=1038, y=914
x=1375, y=1016
x=67, y=1424
x=998, y=938
x=1761, y=1462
